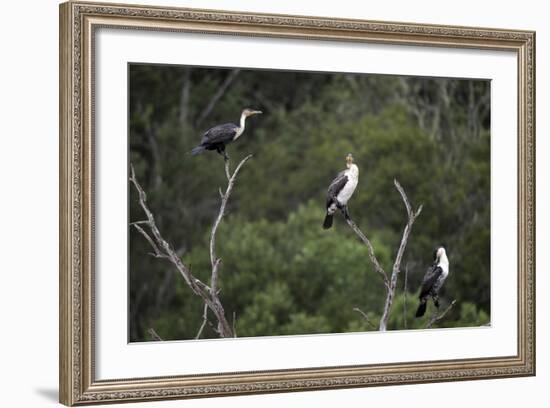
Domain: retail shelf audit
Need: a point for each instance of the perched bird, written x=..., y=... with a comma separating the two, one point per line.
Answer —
x=340, y=191
x=433, y=280
x=218, y=137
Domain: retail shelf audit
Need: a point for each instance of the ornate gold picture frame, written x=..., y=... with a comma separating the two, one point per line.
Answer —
x=78, y=24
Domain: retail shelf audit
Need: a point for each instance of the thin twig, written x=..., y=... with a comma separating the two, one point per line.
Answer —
x=227, y=174
x=157, y=253
x=210, y=295
x=146, y=222
x=154, y=334
x=204, y=320
x=389, y=283
x=397, y=263
x=365, y=316
x=436, y=318
x=161, y=244
x=215, y=262
x=217, y=96
x=372, y=256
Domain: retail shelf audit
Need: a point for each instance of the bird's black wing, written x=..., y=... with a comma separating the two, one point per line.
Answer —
x=337, y=185
x=430, y=278
x=219, y=134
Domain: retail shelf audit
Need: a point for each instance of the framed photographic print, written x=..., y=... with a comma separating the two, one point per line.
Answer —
x=260, y=203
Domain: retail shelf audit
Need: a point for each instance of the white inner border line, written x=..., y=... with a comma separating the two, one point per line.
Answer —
x=115, y=358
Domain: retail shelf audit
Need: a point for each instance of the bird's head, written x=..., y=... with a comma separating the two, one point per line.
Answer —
x=250, y=112
x=349, y=160
x=439, y=253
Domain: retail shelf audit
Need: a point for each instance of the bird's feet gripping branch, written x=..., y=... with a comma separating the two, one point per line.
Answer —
x=340, y=191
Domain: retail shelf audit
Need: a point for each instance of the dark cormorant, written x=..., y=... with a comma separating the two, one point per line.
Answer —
x=433, y=281
x=218, y=137
x=340, y=191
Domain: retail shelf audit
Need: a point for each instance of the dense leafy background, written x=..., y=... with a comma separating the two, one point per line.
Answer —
x=282, y=273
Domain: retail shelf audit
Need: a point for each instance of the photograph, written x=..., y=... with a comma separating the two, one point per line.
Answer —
x=259, y=201
x=267, y=202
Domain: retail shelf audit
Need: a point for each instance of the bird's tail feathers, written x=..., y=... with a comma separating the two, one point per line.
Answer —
x=328, y=221
x=197, y=150
x=421, y=308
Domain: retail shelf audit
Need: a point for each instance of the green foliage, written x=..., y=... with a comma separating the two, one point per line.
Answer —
x=463, y=314
x=281, y=273
x=470, y=315
x=268, y=310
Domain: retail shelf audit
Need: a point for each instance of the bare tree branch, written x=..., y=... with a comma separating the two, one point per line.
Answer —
x=164, y=250
x=154, y=334
x=160, y=243
x=214, y=260
x=397, y=263
x=372, y=256
x=157, y=253
x=365, y=316
x=436, y=318
x=390, y=283
x=225, y=197
x=217, y=96
x=227, y=175
x=204, y=321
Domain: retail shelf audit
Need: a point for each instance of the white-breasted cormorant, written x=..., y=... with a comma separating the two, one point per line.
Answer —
x=340, y=191
x=218, y=137
x=433, y=280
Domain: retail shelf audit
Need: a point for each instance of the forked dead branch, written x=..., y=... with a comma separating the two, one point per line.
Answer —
x=163, y=249
x=390, y=282
x=437, y=317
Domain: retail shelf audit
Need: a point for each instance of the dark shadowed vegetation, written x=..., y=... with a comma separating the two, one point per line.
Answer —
x=281, y=273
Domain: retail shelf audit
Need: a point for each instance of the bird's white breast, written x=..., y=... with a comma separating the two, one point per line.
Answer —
x=238, y=133
x=444, y=264
x=240, y=129
x=347, y=191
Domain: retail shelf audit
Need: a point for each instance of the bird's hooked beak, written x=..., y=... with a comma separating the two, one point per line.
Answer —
x=250, y=112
